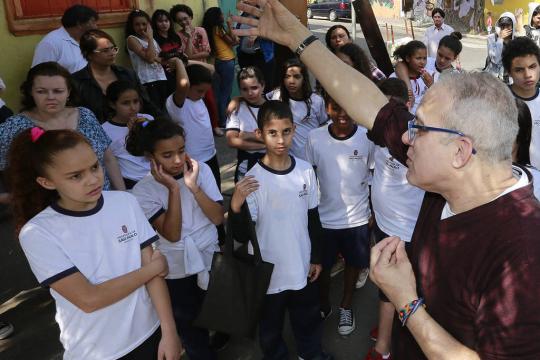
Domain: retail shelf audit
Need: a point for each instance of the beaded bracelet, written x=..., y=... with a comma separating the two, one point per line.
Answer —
x=410, y=309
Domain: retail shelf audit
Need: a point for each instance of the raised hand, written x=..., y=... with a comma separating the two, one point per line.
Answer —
x=273, y=22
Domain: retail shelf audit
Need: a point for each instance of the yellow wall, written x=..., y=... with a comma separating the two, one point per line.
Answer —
x=17, y=51
x=508, y=5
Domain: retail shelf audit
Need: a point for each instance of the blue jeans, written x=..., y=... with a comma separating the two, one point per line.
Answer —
x=223, y=89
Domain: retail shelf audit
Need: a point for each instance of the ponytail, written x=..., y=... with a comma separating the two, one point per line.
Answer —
x=452, y=42
x=144, y=135
x=30, y=154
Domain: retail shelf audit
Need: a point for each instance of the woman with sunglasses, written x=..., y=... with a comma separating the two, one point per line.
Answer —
x=100, y=50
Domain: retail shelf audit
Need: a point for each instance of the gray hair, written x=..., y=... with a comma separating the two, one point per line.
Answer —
x=484, y=109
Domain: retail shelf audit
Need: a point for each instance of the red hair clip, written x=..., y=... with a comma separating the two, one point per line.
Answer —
x=35, y=133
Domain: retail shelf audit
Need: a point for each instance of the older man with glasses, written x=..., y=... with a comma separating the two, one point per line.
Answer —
x=471, y=287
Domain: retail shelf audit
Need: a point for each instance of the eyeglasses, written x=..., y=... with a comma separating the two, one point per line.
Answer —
x=413, y=128
x=109, y=50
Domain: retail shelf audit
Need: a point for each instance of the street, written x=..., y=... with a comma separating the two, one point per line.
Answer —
x=31, y=309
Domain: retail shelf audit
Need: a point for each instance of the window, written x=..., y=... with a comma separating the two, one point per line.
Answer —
x=38, y=17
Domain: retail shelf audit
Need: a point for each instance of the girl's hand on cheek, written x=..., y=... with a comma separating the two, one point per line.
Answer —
x=191, y=174
x=161, y=176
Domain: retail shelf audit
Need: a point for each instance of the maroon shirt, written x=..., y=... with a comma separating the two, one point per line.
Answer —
x=478, y=271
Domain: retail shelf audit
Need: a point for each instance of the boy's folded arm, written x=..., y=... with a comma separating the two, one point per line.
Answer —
x=315, y=235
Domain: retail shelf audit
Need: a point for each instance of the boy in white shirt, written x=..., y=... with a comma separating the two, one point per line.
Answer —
x=341, y=154
x=284, y=209
x=521, y=60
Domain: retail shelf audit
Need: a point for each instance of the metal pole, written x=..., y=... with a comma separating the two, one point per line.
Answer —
x=353, y=23
x=412, y=29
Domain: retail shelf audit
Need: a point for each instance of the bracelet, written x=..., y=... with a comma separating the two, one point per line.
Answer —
x=409, y=309
x=304, y=44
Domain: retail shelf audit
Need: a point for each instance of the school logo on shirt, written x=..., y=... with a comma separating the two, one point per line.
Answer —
x=536, y=122
x=355, y=156
x=126, y=235
x=304, y=192
x=392, y=164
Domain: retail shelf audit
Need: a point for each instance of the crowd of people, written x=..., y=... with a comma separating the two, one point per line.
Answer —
x=442, y=184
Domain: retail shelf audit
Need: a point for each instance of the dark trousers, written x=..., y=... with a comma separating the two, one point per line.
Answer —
x=147, y=350
x=186, y=299
x=303, y=306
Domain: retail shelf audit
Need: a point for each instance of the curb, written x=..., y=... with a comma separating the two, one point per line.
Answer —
x=422, y=29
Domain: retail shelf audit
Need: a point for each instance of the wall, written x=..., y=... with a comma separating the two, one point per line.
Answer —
x=386, y=8
x=19, y=50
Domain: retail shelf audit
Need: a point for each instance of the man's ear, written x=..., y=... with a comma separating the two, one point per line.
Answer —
x=45, y=183
x=463, y=152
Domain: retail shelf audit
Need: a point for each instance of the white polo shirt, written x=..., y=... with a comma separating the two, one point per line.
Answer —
x=131, y=167
x=279, y=209
x=432, y=37
x=199, y=239
x=304, y=123
x=102, y=244
x=59, y=46
x=534, y=106
x=194, y=118
x=342, y=167
x=396, y=203
x=245, y=120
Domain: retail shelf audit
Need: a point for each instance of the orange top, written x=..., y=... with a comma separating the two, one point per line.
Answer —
x=223, y=50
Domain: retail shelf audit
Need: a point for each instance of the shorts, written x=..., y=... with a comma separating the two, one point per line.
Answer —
x=351, y=243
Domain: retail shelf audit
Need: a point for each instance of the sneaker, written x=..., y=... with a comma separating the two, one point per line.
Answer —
x=325, y=313
x=362, y=278
x=374, y=355
x=346, y=321
x=6, y=329
x=374, y=333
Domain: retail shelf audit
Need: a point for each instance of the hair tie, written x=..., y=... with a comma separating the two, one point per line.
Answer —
x=35, y=133
x=145, y=123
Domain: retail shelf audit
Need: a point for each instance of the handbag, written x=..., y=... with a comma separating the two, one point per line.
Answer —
x=237, y=287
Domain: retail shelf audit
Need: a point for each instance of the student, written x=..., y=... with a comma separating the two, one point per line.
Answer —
x=396, y=205
x=520, y=151
x=125, y=103
x=449, y=49
x=413, y=54
x=281, y=193
x=186, y=107
x=307, y=107
x=92, y=248
x=521, y=60
x=169, y=42
x=532, y=29
x=144, y=52
x=353, y=55
x=222, y=41
x=336, y=37
x=504, y=32
x=341, y=154
x=182, y=202
x=489, y=22
x=242, y=123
